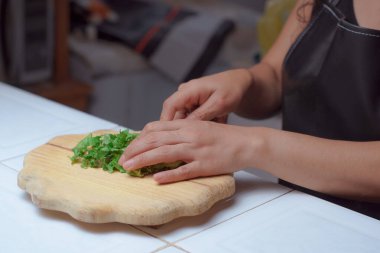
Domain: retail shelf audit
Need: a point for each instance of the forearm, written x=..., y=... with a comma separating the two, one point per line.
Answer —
x=263, y=97
x=340, y=168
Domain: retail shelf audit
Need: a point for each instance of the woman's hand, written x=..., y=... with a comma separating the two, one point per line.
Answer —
x=207, y=148
x=208, y=98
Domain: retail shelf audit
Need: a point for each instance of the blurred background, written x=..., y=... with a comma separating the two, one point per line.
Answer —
x=120, y=59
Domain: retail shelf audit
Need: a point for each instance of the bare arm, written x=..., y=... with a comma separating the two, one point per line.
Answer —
x=341, y=168
x=252, y=93
x=263, y=96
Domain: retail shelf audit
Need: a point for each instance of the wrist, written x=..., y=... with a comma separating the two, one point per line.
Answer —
x=256, y=148
x=242, y=79
x=247, y=76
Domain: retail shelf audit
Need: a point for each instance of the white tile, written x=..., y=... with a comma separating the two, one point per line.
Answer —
x=25, y=228
x=15, y=163
x=171, y=249
x=24, y=123
x=29, y=121
x=251, y=191
x=14, y=151
x=293, y=223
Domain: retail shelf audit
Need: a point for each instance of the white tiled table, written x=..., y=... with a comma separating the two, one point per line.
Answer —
x=261, y=217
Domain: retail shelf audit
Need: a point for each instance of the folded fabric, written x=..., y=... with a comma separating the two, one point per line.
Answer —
x=180, y=43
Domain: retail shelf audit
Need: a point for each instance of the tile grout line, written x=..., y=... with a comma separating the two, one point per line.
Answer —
x=180, y=248
x=174, y=244
x=168, y=244
x=62, y=133
x=13, y=157
x=48, y=137
x=9, y=167
x=191, y=235
x=160, y=248
x=147, y=233
x=48, y=143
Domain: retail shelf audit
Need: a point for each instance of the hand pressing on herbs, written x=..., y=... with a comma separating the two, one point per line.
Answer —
x=104, y=151
x=207, y=148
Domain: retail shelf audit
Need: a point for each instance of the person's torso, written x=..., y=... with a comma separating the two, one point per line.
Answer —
x=331, y=83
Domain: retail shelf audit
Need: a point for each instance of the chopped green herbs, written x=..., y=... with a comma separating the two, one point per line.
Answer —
x=105, y=150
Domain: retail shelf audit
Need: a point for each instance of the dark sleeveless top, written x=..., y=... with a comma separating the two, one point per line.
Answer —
x=331, y=84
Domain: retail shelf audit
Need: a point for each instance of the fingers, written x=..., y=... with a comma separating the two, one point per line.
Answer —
x=149, y=141
x=179, y=108
x=187, y=171
x=162, y=154
x=155, y=134
x=168, y=109
x=158, y=126
x=222, y=119
x=180, y=115
x=207, y=111
x=180, y=101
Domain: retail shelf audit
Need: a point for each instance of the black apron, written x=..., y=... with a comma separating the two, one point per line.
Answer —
x=331, y=86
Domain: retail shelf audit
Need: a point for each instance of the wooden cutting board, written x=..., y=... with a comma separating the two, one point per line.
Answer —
x=95, y=196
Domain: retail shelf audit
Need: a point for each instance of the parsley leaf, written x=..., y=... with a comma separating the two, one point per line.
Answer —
x=105, y=150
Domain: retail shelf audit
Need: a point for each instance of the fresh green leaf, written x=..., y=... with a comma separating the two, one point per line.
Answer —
x=105, y=150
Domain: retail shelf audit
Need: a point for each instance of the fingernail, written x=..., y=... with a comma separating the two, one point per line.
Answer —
x=128, y=164
x=157, y=178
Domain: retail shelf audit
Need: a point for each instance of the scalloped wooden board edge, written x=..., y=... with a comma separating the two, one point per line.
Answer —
x=96, y=196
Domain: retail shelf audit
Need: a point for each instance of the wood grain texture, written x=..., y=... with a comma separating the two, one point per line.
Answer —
x=96, y=196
